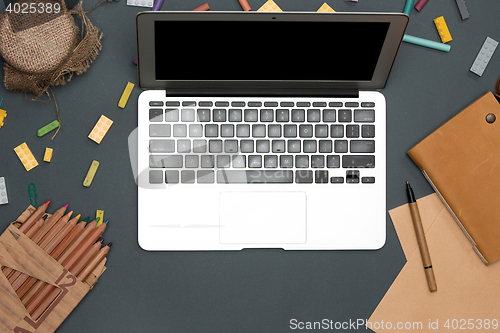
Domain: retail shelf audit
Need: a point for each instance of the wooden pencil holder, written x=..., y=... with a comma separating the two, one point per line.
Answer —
x=20, y=253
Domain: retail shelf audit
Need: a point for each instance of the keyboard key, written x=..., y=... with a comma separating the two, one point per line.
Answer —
x=172, y=177
x=333, y=161
x=183, y=146
x=205, y=103
x=337, y=131
x=231, y=146
x=329, y=115
x=207, y=161
x=223, y=161
x=189, y=103
x=321, y=176
x=351, y=104
x=303, y=104
x=313, y=115
x=255, y=104
x=287, y=104
x=352, y=176
x=335, y=104
x=358, y=161
x=325, y=146
x=171, y=115
x=321, y=131
x=282, y=115
x=239, y=161
x=243, y=130
x=171, y=161
x=187, y=115
x=172, y=103
x=345, y=116
x=270, y=104
x=155, y=161
x=278, y=146
x=262, y=146
x=294, y=146
x=352, y=131
x=274, y=131
x=195, y=130
x=246, y=146
x=368, y=131
x=305, y=131
x=155, y=103
x=258, y=131
x=286, y=161
x=191, y=161
x=159, y=130
x=211, y=130
x=337, y=180
x=341, y=146
x=266, y=115
x=298, y=115
x=155, y=177
x=270, y=161
x=156, y=115
x=304, y=176
x=251, y=115
x=180, y=130
x=161, y=146
x=203, y=115
x=317, y=161
x=235, y=115
x=255, y=161
x=290, y=131
x=238, y=104
x=227, y=130
x=364, y=116
x=367, y=104
x=219, y=115
x=187, y=177
x=215, y=146
x=319, y=104
x=254, y=176
x=205, y=176
x=309, y=146
x=222, y=103
x=302, y=161
x=362, y=146
x=199, y=146
x=368, y=180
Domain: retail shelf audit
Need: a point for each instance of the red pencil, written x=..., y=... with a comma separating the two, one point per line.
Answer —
x=37, y=214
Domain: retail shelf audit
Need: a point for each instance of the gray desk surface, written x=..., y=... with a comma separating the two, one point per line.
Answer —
x=251, y=290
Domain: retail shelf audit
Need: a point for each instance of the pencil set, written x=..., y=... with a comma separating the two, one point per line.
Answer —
x=48, y=264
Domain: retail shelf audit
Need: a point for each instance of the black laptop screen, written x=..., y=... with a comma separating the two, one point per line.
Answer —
x=240, y=50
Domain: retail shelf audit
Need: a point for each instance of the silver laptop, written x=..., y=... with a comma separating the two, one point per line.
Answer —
x=263, y=130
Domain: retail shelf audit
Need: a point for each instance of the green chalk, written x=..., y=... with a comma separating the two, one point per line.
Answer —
x=408, y=7
x=47, y=128
x=427, y=43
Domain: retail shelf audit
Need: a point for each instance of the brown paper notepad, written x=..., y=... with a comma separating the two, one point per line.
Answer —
x=461, y=161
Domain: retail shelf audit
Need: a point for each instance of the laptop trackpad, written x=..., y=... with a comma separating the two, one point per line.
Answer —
x=262, y=217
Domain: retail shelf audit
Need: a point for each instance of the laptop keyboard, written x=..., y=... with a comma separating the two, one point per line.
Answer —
x=238, y=142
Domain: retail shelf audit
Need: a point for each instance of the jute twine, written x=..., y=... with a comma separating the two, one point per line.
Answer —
x=42, y=50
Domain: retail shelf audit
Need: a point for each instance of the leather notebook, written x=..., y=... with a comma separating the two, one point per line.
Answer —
x=461, y=161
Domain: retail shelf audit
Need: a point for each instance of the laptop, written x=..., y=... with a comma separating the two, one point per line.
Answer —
x=263, y=130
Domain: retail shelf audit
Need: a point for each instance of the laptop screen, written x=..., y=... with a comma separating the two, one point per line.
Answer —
x=267, y=50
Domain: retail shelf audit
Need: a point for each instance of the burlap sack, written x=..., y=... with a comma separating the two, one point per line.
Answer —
x=43, y=49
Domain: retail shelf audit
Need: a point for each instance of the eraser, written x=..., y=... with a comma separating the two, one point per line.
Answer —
x=91, y=173
x=126, y=94
x=140, y=3
x=47, y=128
x=325, y=8
x=462, y=7
x=99, y=214
x=269, y=6
x=4, y=199
x=47, y=157
x=442, y=29
x=100, y=129
x=27, y=159
x=3, y=114
x=484, y=56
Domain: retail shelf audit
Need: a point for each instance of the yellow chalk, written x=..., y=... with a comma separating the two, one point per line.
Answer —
x=100, y=129
x=326, y=8
x=26, y=157
x=126, y=94
x=48, y=154
x=269, y=6
x=91, y=173
x=442, y=28
x=99, y=214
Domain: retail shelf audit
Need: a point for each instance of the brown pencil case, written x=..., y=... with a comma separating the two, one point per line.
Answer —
x=20, y=253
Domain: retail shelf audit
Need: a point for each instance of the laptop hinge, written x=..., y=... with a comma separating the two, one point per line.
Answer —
x=214, y=92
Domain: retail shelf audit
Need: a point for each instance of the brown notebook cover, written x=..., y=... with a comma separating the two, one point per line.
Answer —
x=461, y=161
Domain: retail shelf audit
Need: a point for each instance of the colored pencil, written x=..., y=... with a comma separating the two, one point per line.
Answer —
x=49, y=224
x=31, y=220
x=84, y=274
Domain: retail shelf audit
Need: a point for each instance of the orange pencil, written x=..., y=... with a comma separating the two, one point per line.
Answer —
x=87, y=257
x=49, y=224
x=81, y=238
x=244, y=4
x=37, y=214
x=202, y=8
x=25, y=293
x=83, y=275
x=49, y=248
x=49, y=292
